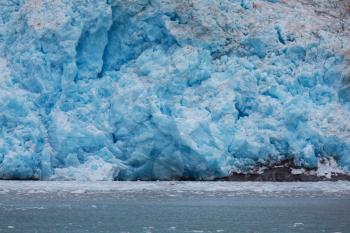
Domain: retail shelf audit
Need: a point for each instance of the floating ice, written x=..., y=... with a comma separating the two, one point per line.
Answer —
x=129, y=189
x=143, y=89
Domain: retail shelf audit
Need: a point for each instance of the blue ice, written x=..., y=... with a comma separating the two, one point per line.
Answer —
x=138, y=89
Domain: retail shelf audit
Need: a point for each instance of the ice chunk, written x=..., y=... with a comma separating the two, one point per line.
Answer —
x=94, y=169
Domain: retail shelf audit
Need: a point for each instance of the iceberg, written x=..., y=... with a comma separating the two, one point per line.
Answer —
x=171, y=90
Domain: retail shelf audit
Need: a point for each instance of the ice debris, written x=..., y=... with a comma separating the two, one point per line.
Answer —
x=163, y=89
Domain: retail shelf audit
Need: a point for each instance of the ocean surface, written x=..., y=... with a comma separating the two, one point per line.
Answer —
x=145, y=207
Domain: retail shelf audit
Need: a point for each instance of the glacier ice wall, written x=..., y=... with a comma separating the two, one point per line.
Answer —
x=163, y=89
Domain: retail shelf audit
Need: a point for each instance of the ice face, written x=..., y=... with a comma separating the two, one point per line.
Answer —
x=161, y=89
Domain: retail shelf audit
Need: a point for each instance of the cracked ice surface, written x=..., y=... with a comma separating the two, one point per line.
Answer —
x=160, y=89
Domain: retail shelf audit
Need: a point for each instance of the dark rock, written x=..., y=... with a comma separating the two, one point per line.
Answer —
x=282, y=172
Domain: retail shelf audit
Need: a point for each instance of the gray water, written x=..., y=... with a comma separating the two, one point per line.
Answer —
x=149, y=212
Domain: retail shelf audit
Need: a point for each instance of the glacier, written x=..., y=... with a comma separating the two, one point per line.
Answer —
x=164, y=89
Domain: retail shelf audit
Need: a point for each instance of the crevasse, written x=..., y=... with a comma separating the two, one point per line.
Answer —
x=161, y=89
